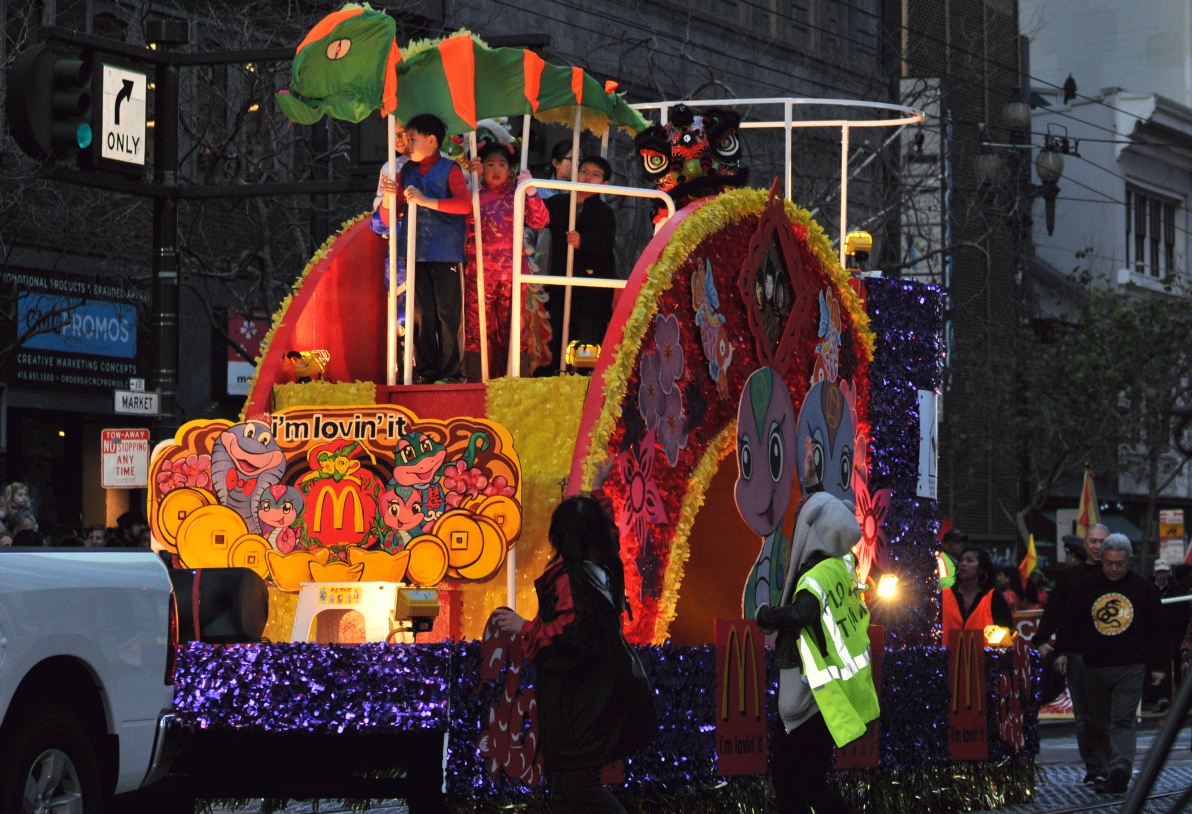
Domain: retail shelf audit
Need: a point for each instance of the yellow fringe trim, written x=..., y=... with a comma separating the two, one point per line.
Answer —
x=280, y=314
x=323, y=394
x=697, y=486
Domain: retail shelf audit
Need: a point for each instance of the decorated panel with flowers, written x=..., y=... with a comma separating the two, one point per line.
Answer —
x=339, y=494
x=745, y=281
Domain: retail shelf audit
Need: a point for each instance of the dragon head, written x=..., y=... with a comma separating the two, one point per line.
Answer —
x=693, y=155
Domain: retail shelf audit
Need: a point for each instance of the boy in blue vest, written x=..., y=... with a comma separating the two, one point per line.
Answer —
x=436, y=184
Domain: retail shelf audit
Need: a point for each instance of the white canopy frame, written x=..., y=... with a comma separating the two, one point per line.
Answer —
x=904, y=116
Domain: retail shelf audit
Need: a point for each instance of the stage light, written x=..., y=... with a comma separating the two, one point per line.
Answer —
x=887, y=586
x=998, y=636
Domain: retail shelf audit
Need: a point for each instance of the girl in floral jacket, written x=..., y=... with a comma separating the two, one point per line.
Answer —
x=496, y=222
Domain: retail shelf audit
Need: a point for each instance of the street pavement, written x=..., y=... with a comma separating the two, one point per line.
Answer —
x=1060, y=772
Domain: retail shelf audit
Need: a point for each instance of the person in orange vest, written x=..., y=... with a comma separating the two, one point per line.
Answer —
x=972, y=603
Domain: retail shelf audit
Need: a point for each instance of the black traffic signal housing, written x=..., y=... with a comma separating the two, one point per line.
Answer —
x=49, y=101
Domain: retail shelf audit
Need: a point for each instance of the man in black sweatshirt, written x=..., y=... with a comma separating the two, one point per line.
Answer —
x=1119, y=629
x=1057, y=618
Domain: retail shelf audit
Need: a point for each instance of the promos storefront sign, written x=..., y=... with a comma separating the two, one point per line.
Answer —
x=77, y=333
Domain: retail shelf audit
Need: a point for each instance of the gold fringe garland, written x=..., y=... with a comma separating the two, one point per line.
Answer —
x=280, y=314
x=693, y=501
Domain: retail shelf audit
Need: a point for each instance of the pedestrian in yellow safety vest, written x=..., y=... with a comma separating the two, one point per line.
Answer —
x=826, y=694
x=951, y=547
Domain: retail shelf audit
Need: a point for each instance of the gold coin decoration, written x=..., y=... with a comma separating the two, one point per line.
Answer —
x=461, y=533
x=206, y=536
x=492, y=553
x=506, y=513
x=428, y=560
x=174, y=508
x=380, y=566
x=249, y=552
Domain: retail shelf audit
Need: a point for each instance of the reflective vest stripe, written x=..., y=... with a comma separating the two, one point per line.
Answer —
x=851, y=665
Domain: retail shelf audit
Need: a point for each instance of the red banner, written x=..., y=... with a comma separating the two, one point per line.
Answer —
x=865, y=751
x=1026, y=622
x=966, y=711
x=740, y=697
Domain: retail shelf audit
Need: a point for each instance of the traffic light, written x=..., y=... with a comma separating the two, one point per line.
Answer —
x=49, y=101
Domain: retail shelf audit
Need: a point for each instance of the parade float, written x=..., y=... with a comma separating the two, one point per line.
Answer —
x=738, y=338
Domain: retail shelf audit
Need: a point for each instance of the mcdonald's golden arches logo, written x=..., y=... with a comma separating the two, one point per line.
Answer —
x=744, y=649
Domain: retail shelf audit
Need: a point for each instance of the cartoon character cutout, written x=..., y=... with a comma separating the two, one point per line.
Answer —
x=401, y=515
x=718, y=348
x=766, y=462
x=419, y=464
x=827, y=421
x=245, y=461
x=279, y=513
x=827, y=352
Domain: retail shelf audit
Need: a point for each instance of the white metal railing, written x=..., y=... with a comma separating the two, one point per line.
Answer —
x=520, y=279
x=908, y=115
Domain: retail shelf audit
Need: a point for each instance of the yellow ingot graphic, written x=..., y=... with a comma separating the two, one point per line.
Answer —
x=290, y=571
x=428, y=560
x=492, y=553
x=174, y=508
x=249, y=552
x=380, y=566
x=336, y=572
x=506, y=513
x=206, y=536
x=460, y=531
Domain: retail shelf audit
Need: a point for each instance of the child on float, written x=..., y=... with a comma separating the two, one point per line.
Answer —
x=436, y=184
x=594, y=239
x=494, y=166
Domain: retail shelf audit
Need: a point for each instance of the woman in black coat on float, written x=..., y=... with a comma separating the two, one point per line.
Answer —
x=595, y=704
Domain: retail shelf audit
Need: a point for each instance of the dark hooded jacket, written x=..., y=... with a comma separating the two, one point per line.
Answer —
x=595, y=703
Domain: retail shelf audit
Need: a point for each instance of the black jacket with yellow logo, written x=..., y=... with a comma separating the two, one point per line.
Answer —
x=1115, y=624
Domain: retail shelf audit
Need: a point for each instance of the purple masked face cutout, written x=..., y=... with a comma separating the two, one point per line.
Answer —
x=765, y=451
x=826, y=419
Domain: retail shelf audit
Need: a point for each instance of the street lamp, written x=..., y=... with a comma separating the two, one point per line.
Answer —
x=1016, y=115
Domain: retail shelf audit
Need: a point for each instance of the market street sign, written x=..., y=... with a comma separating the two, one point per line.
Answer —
x=125, y=459
x=122, y=115
x=130, y=403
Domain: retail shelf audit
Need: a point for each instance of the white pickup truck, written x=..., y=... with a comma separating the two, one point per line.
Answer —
x=86, y=676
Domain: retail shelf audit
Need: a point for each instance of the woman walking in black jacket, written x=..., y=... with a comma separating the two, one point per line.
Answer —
x=595, y=704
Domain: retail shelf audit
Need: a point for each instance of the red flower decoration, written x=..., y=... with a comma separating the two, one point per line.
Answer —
x=499, y=486
x=643, y=504
x=193, y=470
x=459, y=482
x=170, y=478
x=871, y=517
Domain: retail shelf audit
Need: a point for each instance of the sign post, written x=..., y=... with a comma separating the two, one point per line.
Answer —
x=1171, y=535
x=125, y=459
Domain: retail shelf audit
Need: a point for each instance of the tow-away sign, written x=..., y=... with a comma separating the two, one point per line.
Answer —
x=122, y=136
x=125, y=459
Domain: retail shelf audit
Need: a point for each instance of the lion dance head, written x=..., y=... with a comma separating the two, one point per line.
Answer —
x=693, y=155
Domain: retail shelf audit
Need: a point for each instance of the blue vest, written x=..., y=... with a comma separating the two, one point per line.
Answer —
x=440, y=236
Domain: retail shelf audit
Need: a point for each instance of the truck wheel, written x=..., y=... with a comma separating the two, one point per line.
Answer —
x=49, y=766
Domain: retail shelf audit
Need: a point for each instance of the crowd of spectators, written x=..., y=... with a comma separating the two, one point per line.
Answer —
x=19, y=526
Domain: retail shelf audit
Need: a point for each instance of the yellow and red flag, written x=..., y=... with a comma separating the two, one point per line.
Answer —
x=1089, y=515
x=1029, y=562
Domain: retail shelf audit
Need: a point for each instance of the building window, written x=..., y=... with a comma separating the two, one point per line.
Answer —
x=1150, y=234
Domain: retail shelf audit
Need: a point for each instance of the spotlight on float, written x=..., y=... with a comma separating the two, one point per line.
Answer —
x=858, y=245
x=580, y=356
x=887, y=586
x=998, y=636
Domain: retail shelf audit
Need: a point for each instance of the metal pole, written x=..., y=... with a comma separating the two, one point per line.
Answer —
x=1157, y=756
x=391, y=330
x=165, y=245
x=788, y=109
x=525, y=145
x=843, y=189
x=480, y=304
x=411, y=255
x=570, y=249
x=511, y=577
x=519, y=239
x=604, y=142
